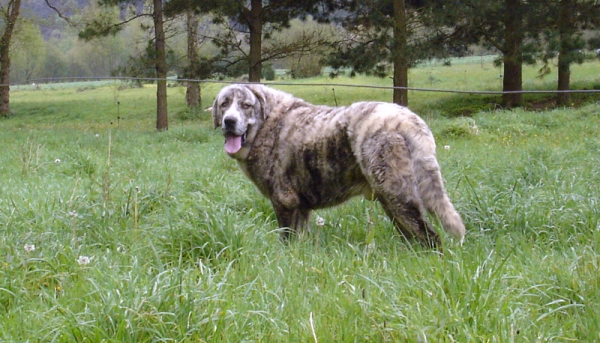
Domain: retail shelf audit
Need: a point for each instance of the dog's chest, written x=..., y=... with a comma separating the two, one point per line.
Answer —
x=321, y=172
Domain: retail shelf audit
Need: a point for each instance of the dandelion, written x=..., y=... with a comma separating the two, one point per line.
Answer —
x=447, y=147
x=320, y=221
x=57, y=161
x=97, y=135
x=29, y=247
x=83, y=260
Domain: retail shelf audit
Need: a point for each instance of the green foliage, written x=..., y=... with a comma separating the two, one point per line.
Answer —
x=460, y=128
x=268, y=73
x=100, y=22
x=368, y=43
x=182, y=247
x=27, y=52
x=305, y=67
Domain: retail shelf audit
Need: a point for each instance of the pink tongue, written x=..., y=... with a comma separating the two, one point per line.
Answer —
x=233, y=144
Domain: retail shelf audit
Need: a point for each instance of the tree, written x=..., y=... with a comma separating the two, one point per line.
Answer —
x=10, y=14
x=255, y=20
x=380, y=33
x=192, y=94
x=306, y=42
x=56, y=63
x=511, y=46
x=105, y=25
x=568, y=43
x=509, y=26
x=161, y=68
x=27, y=52
x=400, y=53
x=565, y=22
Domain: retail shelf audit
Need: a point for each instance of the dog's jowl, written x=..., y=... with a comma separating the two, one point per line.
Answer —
x=305, y=157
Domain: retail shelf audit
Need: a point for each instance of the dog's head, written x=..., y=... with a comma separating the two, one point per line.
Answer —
x=240, y=111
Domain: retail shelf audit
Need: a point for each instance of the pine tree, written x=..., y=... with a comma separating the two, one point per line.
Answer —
x=383, y=33
x=504, y=25
x=564, y=22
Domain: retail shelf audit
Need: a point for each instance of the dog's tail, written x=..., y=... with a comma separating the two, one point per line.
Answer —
x=421, y=144
x=434, y=197
x=428, y=175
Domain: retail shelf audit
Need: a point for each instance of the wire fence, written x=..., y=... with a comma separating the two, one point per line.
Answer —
x=37, y=82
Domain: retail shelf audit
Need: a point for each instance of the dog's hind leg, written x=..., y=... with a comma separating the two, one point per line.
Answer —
x=387, y=165
x=409, y=221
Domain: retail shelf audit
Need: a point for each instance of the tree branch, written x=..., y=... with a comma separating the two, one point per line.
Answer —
x=59, y=13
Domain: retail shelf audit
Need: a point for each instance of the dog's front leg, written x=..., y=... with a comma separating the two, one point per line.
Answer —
x=290, y=220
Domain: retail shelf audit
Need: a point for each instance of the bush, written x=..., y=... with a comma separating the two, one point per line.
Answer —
x=268, y=73
x=306, y=66
x=461, y=127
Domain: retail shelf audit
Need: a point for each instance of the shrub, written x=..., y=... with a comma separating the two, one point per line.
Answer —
x=268, y=73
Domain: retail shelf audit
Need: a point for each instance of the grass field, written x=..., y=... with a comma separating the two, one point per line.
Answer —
x=112, y=232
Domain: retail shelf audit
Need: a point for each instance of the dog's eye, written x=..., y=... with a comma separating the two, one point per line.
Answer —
x=246, y=105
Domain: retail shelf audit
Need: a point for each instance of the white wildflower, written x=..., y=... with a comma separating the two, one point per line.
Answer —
x=320, y=221
x=83, y=260
x=447, y=147
x=29, y=247
x=369, y=248
x=73, y=214
x=57, y=161
x=97, y=135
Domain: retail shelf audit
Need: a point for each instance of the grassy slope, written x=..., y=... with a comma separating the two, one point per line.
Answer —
x=183, y=248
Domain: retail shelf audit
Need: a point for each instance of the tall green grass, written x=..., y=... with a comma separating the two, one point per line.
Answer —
x=182, y=247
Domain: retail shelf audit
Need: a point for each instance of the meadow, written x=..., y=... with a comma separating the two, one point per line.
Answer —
x=111, y=232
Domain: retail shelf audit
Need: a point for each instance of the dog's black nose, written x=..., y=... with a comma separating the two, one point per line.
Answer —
x=229, y=123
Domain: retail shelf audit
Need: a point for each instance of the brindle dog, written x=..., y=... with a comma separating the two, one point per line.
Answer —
x=305, y=157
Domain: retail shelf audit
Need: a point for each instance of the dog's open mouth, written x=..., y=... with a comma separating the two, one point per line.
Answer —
x=233, y=143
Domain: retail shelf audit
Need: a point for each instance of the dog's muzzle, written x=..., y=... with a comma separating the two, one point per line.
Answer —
x=234, y=140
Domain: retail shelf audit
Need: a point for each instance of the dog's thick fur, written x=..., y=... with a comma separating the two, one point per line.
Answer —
x=304, y=157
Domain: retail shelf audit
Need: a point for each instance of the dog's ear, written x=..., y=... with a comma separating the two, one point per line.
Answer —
x=261, y=95
x=216, y=113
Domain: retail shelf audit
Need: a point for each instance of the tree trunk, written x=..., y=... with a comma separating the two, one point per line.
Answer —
x=162, y=122
x=399, y=54
x=192, y=94
x=564, y=77
x=12, y=13
x=513, y=54
x=255, y=25
x=565, y=28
